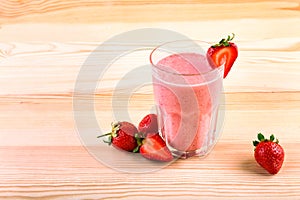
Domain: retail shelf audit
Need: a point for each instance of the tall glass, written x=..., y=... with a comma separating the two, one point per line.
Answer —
x=187, y=89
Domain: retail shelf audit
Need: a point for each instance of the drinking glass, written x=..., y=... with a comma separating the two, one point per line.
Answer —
x=187, y=92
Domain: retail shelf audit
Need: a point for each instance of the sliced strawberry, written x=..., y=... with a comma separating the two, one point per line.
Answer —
x=153, y=147
x=148, y=124
x=223, y=52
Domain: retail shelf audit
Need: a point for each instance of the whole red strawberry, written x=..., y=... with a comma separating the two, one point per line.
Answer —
x=268, y=154
x=122, y=136
x=153, y=147
x=148, y=124
x=223, y=52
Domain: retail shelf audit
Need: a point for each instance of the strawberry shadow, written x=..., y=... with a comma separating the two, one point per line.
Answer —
x=251, y=166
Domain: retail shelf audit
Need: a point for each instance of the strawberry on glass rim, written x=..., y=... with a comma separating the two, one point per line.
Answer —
x=223, y=52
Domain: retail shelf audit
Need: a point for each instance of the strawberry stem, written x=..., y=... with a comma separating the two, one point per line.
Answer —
x=103, y=135
x=115, y=126
x=261, y=138
x=109, y=141
x=225, y=42
x=136, y=149
x=139, y=140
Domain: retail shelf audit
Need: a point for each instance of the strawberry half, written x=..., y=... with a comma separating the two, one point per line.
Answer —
x=268, y=154
x=148, y=124
x=122, y=136
x=153, y=147
x=223, y=52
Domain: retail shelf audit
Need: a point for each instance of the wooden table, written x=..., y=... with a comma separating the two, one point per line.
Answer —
x=43, y=45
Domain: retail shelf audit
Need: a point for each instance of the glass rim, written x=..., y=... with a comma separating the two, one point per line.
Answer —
x=220, y=68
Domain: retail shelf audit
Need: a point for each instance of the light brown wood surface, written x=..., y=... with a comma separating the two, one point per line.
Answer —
x=43, y=45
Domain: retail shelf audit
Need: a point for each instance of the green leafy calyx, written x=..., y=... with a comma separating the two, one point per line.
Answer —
x=225, y=42
x=139, y=140
x=261, y=138
x=115, y=127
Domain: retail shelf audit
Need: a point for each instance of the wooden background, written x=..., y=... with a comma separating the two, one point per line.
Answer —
x=43, y=44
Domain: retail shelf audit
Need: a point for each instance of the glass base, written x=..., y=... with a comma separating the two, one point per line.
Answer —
x=204, y=151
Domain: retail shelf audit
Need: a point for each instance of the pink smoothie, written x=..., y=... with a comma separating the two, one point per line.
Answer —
x=188, y=104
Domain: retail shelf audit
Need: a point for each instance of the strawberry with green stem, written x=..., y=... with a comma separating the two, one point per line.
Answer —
x=268, y=153
x=122, y=136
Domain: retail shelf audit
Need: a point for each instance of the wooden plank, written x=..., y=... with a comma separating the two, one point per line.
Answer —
x=49, y=120
x=29, y=69
x=43, y=45
x=55, y=11
x=71, y=173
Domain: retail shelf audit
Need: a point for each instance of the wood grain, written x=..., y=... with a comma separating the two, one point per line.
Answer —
x=40, y=176
x=44, y=44
x=142, y=11
x=40, y=75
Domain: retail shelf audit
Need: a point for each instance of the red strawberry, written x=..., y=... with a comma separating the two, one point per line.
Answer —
x=153, y=147
x=268, y=154
x=223, y=52
x=148, y=124
x=122, y=136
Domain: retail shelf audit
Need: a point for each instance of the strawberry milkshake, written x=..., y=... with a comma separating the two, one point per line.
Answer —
x=187, y=92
